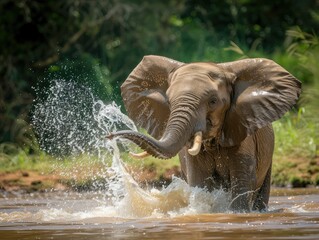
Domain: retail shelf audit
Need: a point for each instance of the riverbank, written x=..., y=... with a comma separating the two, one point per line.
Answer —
x=85, y=176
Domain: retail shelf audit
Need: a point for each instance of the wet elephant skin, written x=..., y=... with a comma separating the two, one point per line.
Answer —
x=229, y=107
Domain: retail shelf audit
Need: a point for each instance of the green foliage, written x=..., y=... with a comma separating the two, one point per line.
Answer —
x=305, y=47
x=245, y=21
x=86, y=71
x=13, y=158
x=296, y=136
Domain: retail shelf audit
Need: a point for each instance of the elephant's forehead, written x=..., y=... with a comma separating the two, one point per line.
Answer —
x=199, y=71
x=198, y=83
x=193, y=81
x=199, y=67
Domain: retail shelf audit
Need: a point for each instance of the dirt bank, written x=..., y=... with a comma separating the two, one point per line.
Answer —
x=32, y=181
x=286, y=173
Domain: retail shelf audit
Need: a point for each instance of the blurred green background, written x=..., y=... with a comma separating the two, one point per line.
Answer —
x=98, y=43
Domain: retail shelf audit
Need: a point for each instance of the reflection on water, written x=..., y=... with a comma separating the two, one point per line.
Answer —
x=292, y=215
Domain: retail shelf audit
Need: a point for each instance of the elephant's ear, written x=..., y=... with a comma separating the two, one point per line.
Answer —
x=262, y=93
x=144, y=93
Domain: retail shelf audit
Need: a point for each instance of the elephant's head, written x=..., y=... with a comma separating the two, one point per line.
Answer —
x=227, y=102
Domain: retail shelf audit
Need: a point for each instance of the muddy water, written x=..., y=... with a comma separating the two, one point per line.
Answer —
x=293, y=214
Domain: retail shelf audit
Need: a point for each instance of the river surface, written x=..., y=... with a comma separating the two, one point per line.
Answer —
x=293, y=214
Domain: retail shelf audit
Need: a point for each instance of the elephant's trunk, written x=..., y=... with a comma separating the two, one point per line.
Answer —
x=180, y=128
x=156, y=148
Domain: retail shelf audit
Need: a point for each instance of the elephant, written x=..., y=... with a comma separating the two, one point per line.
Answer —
x=216, y=116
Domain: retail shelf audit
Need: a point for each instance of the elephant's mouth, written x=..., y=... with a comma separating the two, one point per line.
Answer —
x=210, y=142
x=212, y=130
x=207, y=142
x=207, y=138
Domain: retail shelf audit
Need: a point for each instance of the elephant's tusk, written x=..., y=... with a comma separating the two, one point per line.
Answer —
x=139, y=155
x=196, y=145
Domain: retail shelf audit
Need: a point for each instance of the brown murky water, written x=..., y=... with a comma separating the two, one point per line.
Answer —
x=294, y=214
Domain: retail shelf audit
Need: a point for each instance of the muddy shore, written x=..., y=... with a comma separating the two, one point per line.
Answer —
x=27, y=181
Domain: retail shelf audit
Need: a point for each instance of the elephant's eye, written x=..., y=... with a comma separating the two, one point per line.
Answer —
x=213, y=101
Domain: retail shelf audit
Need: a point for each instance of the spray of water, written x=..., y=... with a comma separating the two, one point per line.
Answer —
x=71, y=121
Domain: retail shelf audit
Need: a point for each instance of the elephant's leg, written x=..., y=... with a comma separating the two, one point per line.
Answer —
x=262, y=198
x=243, y=183
x=241, y=198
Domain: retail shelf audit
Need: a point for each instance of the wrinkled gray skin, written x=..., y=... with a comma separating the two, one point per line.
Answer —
x=232, y=104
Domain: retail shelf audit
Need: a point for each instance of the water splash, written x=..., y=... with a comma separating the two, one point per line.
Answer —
x=72, y=121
